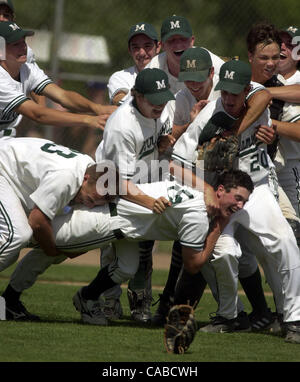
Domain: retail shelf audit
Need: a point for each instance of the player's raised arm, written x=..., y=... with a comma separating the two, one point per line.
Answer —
x=75, y=102
x=47, y=116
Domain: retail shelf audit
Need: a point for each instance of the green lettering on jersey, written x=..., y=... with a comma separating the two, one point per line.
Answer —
x=65, y=152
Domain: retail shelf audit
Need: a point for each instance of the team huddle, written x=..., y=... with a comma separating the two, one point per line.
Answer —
x=197, y=149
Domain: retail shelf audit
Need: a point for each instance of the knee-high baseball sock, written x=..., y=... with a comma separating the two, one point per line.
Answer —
x=100, y=283
x=144, y=272
x=10, y=294
x=252, y=286
x=174, y=271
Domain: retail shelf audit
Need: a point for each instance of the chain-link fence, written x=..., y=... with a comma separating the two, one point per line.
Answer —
x=80, y=43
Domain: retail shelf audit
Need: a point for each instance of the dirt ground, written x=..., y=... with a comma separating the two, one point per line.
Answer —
x=160, y=260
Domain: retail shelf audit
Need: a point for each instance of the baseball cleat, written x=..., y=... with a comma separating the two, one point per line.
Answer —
x=16, y=311
x=90, y=310
x=139, y=304
x=293, y=332
x=221, y=324
x=262, y=321
x=112, y=309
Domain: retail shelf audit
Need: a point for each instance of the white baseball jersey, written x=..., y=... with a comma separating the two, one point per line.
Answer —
x=14, y=93
x=130, y=140
x=291, y=113
x=160, y=62
x=42, y=173
x=185, y=102
x=30, y=55
x=122, y=80
x=185, y=221
x=252, y=158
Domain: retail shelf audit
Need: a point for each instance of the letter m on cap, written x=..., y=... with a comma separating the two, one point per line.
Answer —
x=139, y=27
x=229, y=75
x=14, y=27
x=161, y=85
x=175, y=25
x=191, y=64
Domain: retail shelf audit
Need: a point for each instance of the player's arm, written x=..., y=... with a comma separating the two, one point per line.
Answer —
x=47, y=116
x=189, y=178
x=287, y=93
x=256, y=105
x=194, y=260
x=288, y=129
x=43, y=232
x=134, y=194
x=75, y=102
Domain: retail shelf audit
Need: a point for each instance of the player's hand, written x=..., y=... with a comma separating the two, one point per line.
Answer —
x=105, y=109
x=160, y=205
x=221, y=222
x=197, y=108
x=97, y=122
x=211, y=202
x=164, y=142
x=266, y=134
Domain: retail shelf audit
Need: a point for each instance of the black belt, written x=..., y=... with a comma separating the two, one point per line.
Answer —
x=113, y=212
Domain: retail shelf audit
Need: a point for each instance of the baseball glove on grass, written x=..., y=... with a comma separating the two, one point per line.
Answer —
x=180, y=329
x=219, y=153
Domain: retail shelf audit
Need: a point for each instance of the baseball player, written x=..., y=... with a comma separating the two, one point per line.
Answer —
x=134, y=147
x=38, y=179
x=14, y=101
x=185, y=219
x=176, y=37
x=142, y=46
x=267, y=234
x=7, y=13
x=288, y=154
x=198, y=74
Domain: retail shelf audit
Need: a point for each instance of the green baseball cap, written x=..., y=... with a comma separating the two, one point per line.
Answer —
x=234, y=76
x=195, y=64
x=12, y=33
x=175, y=25
x=154, y=85
x=9, y=4
x=291, y=31
x=143, y=28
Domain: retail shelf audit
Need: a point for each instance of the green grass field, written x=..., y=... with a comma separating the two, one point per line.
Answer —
x=61, y=337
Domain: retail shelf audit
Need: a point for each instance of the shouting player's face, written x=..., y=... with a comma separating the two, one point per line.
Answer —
x=287, y=65
x=233, y=200
x=147, y=109
x=175, y=46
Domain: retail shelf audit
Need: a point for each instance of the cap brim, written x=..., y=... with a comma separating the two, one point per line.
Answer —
x=170, y=34
x=194, y=76
x=160, y=98
x=152, y=36
x=18, y=35
x=230, y=87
